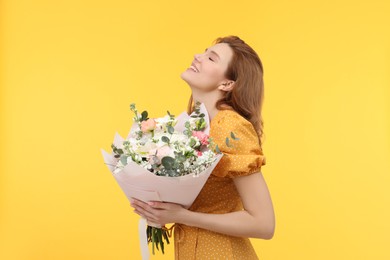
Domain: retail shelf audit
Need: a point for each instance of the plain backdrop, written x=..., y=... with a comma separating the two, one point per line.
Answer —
x=70, y=69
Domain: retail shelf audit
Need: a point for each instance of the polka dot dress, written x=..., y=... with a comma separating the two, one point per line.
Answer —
x=219, y=194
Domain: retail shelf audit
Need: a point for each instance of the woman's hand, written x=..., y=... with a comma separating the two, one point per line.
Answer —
x=159, y=212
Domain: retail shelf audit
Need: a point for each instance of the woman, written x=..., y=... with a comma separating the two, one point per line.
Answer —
x=235, y=203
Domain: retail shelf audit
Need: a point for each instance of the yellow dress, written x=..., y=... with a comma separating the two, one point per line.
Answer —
x=219, y=194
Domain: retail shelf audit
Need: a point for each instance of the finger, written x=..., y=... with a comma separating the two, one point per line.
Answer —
x=144, y=208
x=136, y=201
x=146, y=215
x=158, y=205
x=139, y=203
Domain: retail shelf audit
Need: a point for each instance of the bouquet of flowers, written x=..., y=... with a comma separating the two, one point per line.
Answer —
x=164, y=159
x=155, y=145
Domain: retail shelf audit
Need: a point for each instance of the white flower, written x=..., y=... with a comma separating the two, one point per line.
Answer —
x=179, y=137
x=143, y=149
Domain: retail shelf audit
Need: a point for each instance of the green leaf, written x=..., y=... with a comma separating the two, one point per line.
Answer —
x=144, y=115
x=227, y=141
x=233, y=136
x=153, y=240
x=157, y=239
x=119, y=151
x=180, y=157
x=171, y=130
x=192, y=143
x=149, y=233
x=165, y=139
x=172, y=116
x=217, y=149
x=165, y=234
x=168, y=162
x=187, y=133
x=124, y=160
x=202, y=125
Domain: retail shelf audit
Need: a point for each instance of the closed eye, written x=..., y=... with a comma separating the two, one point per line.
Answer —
x=211, y=59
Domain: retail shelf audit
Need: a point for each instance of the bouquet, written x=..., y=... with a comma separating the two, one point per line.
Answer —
x=164, y=159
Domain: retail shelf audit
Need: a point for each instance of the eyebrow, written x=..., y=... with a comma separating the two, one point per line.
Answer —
x=213, y=53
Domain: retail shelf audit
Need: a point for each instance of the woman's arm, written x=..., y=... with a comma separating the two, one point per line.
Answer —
x=256, y=220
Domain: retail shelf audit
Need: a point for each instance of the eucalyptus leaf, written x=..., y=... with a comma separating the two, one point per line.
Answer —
x=124, y=160
x=227, y=141
x=165, y=139
x=171, y=130
x=180, y=157
x=168, y=162
x=144, y=115
x=233, y=136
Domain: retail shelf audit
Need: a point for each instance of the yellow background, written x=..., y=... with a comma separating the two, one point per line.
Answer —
x=70, y=69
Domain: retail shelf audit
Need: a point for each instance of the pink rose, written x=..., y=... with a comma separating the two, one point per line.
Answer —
x=161, y=153
x=202, y=137
x=148, y=125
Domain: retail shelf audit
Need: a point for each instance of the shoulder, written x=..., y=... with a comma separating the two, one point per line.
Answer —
x=243, y=153
x=227, y=121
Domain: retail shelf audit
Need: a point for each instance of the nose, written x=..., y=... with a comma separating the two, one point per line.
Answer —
x=197, y=57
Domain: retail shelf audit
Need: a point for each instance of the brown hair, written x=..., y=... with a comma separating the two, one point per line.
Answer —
x=247, y=95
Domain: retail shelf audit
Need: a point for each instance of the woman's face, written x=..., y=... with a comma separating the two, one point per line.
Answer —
x=207, y=70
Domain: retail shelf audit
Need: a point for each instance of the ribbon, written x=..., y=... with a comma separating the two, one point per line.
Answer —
x=143, y=240
x=171, y=229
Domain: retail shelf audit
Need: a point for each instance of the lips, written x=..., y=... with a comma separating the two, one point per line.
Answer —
x=193, y=67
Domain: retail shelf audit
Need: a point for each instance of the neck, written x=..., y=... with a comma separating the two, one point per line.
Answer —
x=209, y=99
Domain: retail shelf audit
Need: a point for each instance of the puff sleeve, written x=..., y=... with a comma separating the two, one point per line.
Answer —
x=243, y=156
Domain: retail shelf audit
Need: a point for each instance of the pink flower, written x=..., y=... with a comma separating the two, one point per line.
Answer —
x=148, y=125
x=160, y=153
x=200, y=153
x=202, y=137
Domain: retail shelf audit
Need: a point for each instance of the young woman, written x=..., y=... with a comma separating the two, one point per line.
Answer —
x=235, y=203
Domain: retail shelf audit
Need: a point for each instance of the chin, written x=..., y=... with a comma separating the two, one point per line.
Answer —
x=189, y=79
x=184, y=76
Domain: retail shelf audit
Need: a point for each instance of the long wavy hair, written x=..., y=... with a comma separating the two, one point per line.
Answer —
x=247, y=95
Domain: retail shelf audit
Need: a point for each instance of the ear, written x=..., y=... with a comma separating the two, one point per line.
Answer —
x=227, y=86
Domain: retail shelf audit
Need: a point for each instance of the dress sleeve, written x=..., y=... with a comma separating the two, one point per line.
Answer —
x=244, y=156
